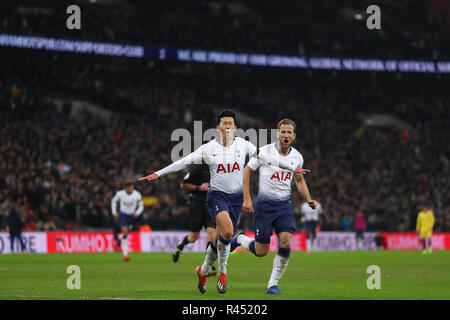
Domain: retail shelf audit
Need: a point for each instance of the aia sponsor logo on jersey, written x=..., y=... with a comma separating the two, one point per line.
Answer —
x=283, y=176
x=228, y=168
x=128, y=203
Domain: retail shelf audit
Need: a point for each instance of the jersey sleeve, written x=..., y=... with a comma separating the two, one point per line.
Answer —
x=252, y=151
x=302, y=209
x=254, y=163
x=419, y=220
x=300, y=161
x=187, y=178
x=194, y=157
x=206, y=174
x=193, y=175
x=114, y=201
x=319, y=208
x=140, y=205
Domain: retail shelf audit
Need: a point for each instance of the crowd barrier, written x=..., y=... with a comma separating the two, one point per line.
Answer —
x=166, y=241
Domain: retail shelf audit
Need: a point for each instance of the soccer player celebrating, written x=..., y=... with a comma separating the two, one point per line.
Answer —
x=131, y=207
x=311, y=222
x=226, y=158
x=273, y=209
x=425, y=223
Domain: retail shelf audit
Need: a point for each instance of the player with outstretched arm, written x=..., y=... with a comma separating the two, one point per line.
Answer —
x=273, y=208
x=226, y=158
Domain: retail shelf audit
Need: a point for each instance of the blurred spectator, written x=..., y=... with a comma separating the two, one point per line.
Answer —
x=360, y=227
x=345, y=222
x=65, y=168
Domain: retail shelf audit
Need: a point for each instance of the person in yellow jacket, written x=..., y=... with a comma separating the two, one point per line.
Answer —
x=425, y=223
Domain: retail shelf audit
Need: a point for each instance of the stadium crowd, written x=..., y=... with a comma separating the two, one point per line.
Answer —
x=61, y=171
x=411, y=29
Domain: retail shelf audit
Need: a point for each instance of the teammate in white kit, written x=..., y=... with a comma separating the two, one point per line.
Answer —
x=130, y=207
x=226, y=159
x=273, y=209
x=311, y=222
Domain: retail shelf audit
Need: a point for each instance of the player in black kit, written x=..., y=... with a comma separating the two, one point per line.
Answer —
x=197, y=182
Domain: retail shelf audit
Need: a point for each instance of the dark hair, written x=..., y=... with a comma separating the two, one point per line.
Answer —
x=128, y=183
x=226, y=113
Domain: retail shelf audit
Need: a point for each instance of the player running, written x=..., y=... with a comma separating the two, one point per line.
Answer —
x=273, y=209
x=197, y=182
x=131, y=207
x=226, y=158
x=311, y=222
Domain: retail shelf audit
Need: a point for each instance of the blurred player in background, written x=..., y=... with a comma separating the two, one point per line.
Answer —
x=197, y=182
x=425, y=223
x=15, y=224
x=273, y=208
x=226, y=156
x=311, y=218
x=130, y=207
x=360, y=227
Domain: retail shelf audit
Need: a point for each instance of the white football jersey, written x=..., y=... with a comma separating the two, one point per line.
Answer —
x=129, y=203
x=311, y=214
x=226, y=164
x=274, y=182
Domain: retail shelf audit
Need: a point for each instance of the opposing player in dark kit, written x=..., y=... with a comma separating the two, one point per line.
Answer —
x=197, y=182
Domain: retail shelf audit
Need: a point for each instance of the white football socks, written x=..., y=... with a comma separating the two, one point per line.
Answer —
x=244, y=241
x=308, y=245
x=279, y=267
x=210, y=258
x=124, y=245
x=223, y=252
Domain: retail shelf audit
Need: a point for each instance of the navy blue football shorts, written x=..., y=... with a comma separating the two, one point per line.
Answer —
x=217, y=201
x=272, y=215
x=311, y=227
x=125, y=220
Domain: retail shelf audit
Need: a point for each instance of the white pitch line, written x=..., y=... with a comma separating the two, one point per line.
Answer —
x=85, y=298
x=120, y=298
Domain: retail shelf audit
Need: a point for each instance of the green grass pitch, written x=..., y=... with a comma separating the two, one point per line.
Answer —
x=321, y=275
